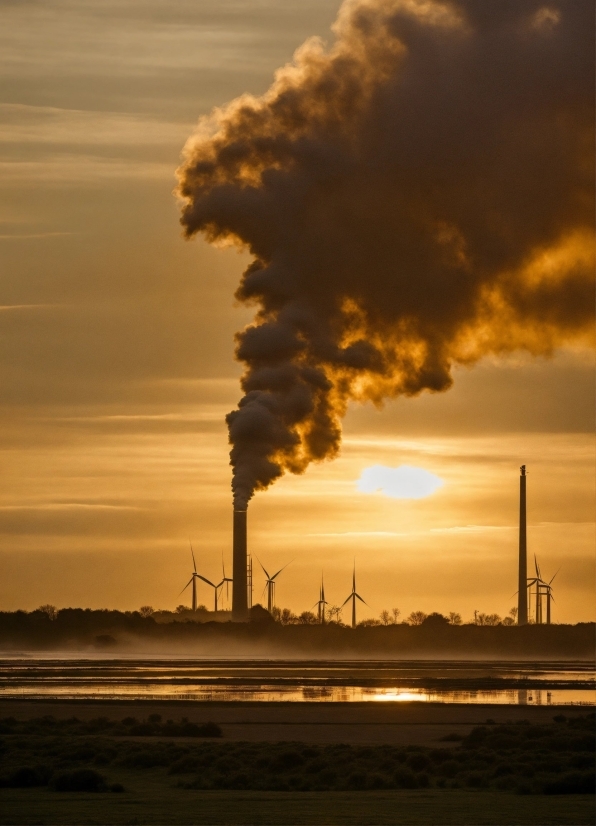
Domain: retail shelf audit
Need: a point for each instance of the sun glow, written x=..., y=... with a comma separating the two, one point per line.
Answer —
x=403, y=482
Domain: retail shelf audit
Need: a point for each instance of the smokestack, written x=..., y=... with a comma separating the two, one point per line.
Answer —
x=239, y=560
x=522, y=594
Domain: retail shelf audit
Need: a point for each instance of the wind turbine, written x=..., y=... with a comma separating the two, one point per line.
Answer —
x=270, y=585
x=354, y=596
x=544, y=589
x=225, y=581
x=322, y=602
x=216, y=587
x=192, y=580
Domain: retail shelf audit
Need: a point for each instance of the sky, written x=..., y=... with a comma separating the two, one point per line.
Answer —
x=118, y=364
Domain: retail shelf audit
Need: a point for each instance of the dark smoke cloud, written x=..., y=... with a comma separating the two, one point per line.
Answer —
x=416, y=196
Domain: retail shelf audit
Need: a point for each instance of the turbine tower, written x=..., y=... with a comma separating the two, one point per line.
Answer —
x=322, y=602
x=216, y=587
x=543, y=591
x=249, y=582
x=354, y=596
x=522, y=593
x=192, y=580
x=270, y=585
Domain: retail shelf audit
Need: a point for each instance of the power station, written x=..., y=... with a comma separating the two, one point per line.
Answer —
x=532, y=593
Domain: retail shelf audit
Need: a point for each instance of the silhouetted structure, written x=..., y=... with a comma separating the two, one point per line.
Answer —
x=354, y=596
x=249, y=585
x=522, y=594
x=270, y=585
x=192, y=581
x=543, y=593
x=322, y=602
x=239, y=568
x=217, y=587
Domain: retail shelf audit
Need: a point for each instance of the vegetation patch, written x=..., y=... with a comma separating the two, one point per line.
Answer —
x=551, y=759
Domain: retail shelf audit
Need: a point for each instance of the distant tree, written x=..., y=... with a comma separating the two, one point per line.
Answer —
x=486, y=619
x=435, y=620
x=513, y=614
x=260, y=614
x=284, y=616
x=416, y=618
x=454, y=619
x=146, y=610
x=385, y=618
x=307, y=618
x=395, y=612
x=508, y=621
x=180, y=609
x=365, y=623
x=334, y=614
x=50, y=610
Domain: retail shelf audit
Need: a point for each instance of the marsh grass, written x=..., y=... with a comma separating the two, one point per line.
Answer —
x=551, y=759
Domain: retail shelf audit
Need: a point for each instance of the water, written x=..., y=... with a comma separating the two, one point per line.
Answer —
x=292, y=681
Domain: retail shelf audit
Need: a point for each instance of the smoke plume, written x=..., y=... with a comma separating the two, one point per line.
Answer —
x=416, y=195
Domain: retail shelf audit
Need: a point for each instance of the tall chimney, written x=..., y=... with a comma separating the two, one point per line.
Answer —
x=522, y=594
x=239, y=565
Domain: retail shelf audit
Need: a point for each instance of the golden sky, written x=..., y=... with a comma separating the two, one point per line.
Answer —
x=118, y=362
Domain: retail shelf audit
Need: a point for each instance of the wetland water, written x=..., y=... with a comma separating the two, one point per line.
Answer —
x=294, y=681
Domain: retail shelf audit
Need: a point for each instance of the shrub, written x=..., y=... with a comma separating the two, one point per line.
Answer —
x=476, y=780
x=357, y=780
x=27, y=777
x=449, y=768
x=287, y=760
x=80, y=780
x=184, y=765
x=417, y=762
x=405, y=779
x=452, y=738
x=209, y=730
x=571, y=783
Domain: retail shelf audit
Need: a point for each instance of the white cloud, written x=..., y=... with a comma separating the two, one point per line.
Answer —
x=403, y=482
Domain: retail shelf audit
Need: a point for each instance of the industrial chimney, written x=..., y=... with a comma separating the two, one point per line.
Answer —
x=239, y=561
x=522, y=594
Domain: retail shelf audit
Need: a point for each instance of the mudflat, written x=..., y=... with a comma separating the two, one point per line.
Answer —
x=403, y=723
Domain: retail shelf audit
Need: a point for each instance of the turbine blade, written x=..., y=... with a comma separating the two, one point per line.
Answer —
x=185, y=587
x=283, y=569
x=208, y=581
x=263, y=567
x=361, y=600
x=194, y=564
x=557, y=571
x=347, y=600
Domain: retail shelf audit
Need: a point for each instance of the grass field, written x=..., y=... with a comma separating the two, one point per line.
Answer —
x=156, y=800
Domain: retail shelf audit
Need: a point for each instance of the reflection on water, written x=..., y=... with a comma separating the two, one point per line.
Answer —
x=318, y=694
x=281, y=681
